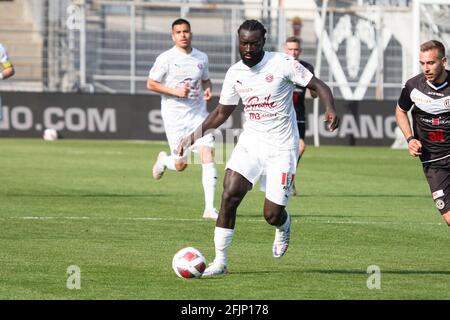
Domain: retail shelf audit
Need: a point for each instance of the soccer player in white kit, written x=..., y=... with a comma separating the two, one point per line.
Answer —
x=181, y=76
x=268, y=146
x=6, y=71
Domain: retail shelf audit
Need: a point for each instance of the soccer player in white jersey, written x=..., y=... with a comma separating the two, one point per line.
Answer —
x=7, y=70
x=268, y=146
x=181, y=76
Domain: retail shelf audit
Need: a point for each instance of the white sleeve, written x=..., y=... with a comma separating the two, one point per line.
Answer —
x=205, y=74
x=3, y=54
x=159, y=69
x=229, y=95
x=297, y=73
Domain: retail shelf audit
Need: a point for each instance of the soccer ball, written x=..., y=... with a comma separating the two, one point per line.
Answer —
x=189, y=263
x=50, y=134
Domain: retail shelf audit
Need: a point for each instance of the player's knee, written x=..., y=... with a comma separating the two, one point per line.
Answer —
x=180, y=166
x=231, y=199
x=273, y=217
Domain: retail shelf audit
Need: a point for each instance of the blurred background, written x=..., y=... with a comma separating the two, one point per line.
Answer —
x=368, y=46
x=364, y=50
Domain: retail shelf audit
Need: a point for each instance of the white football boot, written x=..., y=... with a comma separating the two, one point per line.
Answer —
x=282, y=237
x=211, y=214
x=215, y=269
x=158, y=167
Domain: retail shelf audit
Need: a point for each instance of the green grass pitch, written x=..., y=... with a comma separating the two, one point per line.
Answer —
x=94, y=204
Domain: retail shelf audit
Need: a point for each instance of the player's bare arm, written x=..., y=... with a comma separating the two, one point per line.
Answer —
x=180, y=92
x=414, y=145
x=325, y=95
x=217, y=117
x=207, y=89
x=313, y=93
x=7, y=73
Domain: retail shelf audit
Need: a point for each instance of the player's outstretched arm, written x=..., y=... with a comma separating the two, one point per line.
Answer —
x=217, y=117
x=325, y=95
x=414, y=145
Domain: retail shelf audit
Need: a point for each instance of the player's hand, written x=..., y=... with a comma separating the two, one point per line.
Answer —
x=332, y=120
x=207, y=95
x=415, y=147
x=184, y=144
x=183, y=91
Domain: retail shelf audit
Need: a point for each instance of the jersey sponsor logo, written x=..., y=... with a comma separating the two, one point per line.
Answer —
x=420, y=99
x=438, y=194
x=254, y=103
x=269, y=77
x=432, y=93
x=245, y=90
x=427, y=104
x=435, y=121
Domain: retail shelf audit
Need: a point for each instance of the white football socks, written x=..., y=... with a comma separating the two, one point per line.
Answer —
x=222, y=241
x=209, y=181
x=169, y=162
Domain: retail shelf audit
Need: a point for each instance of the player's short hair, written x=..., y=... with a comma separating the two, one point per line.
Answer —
x=252, y=25
x=181, y=21
x=293, y=39
x=433, y=44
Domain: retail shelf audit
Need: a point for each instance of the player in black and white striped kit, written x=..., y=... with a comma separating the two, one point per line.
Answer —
x=427, y=95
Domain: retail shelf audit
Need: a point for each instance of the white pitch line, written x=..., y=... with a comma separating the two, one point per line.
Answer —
x=303, y=220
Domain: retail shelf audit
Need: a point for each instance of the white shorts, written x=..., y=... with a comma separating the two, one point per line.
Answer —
x=275, y=169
